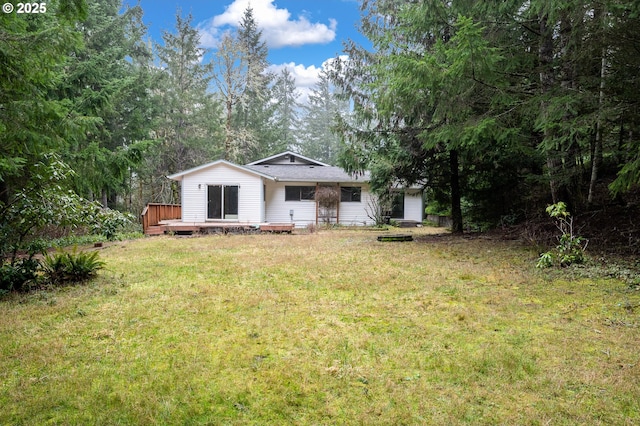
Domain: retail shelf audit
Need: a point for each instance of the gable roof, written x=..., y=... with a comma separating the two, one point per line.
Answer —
x=307, y=173
x=306, y=170
x=178, y=176
x=287, y=155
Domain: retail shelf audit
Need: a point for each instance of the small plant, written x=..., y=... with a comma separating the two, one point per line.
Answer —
x=571, y=247
x=64, y=267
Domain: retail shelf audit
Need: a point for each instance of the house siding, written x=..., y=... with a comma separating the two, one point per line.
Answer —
x=304, y=211
x=413, y=205
x=194, y=199
x=355, y=213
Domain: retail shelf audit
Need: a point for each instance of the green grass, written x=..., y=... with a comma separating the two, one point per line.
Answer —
x=326, y=328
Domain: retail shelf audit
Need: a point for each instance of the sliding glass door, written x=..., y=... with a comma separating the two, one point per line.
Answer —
x=222, y=202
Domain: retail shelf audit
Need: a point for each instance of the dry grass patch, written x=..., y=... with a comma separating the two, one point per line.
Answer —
x=324, y=328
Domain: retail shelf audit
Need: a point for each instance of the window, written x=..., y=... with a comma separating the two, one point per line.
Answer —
x=298, y=193
x=350, y=194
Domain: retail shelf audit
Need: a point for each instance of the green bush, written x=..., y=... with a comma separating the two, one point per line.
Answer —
x=47, y=201
x=70, y=267
x=18, y=275
x=108, y=222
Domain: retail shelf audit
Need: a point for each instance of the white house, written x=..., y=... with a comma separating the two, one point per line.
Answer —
x=281, y=189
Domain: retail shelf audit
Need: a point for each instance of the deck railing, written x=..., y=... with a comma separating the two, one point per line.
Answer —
x=153, y=213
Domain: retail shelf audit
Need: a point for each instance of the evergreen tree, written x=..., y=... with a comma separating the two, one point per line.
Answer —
x=493, y=98
x=32, y=123
x=188, y=128
x=285, y=119
x=317, y=137
x=619, y=93
x=255, y=111
x=427, y=104
x=106, y=78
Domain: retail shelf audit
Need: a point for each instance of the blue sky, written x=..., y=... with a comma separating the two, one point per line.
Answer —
x=301, y=34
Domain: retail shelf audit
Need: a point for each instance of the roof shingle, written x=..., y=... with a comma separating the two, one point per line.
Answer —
x=305, y=173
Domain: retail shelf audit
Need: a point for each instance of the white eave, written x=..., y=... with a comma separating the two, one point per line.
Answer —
x=178, y=176
x=287, y=154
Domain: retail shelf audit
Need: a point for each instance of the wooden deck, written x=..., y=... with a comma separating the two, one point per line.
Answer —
x=159, y=219
x=178, y=227
x=154, y=213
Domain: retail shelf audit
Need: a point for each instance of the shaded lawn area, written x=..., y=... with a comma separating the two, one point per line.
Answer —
x=326, y=328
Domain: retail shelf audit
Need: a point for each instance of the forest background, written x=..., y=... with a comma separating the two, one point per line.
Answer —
x=497, y=108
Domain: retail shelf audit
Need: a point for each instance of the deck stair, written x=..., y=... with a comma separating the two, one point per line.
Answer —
x=277, y=227
x=155, y=230
x=176, y=227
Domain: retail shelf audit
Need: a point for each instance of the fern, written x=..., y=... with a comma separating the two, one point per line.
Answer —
x=65, y=267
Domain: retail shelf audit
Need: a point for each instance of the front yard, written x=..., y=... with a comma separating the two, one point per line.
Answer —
x=326, y=328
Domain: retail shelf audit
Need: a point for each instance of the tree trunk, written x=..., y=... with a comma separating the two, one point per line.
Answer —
x=4, y=192
x=105, y=201
x=596, y=158
x=547, y=81
x=456, y=207
x=175, y=193
x=227, y=127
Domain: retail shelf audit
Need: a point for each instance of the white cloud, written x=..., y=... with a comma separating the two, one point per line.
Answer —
x=278, y=27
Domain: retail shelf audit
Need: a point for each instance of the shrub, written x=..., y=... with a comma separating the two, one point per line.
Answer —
x=18, y=275
x=64, y=267
x=47, y=201
x=571, y=247
x=328, y=198
x=376, y=211
x=108, y=222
